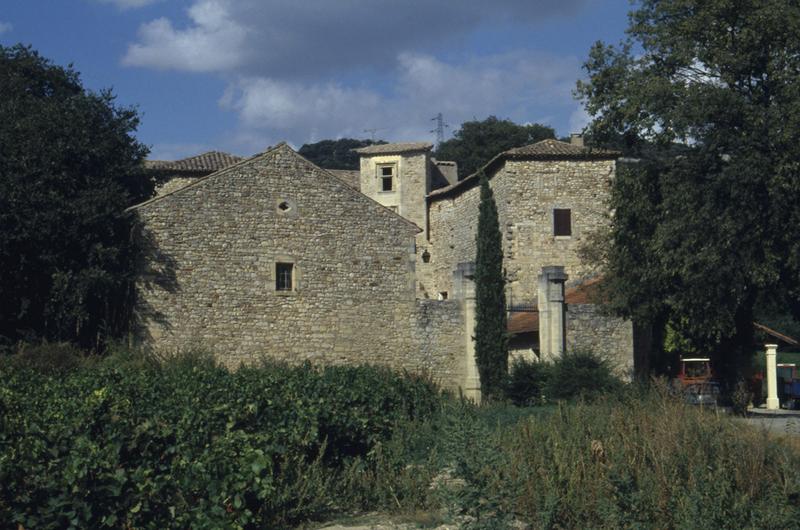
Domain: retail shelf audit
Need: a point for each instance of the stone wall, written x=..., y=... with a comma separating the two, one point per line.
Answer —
x=610, y=337
x=453, y=224
x=215, y=245
x=173, y=183
x=412, y=182
x=440, y=335
x=526, y=193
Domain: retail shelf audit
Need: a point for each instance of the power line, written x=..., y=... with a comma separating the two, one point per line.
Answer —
x=439, y=130
x=373, y=131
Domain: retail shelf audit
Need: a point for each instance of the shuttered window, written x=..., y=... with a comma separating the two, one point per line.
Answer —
x=562, y=222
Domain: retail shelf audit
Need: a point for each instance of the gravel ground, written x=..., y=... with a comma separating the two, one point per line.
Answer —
x=780, y=423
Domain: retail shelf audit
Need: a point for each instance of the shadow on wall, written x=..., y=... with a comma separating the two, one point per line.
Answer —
x=155, y=271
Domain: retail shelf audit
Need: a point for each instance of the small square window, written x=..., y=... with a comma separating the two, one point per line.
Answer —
x=562, y=222
x=386, y=174
x=284, y=276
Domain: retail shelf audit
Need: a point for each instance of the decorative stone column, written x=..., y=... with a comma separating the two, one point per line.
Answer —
x=772, y=377
x=551, y=312
x=464, y=290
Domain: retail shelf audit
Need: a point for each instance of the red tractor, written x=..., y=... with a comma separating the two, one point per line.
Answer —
x=696, y=381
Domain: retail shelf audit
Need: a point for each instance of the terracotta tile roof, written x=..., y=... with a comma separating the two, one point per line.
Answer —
x=553, y=149
x=389, y=149
x=351, y=176
x=544, y=150
x=205, y=162
x=528, y=322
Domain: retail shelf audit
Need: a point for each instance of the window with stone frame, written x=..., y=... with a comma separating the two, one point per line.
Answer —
x=387, y=174
x=284, y=276
x=562, y=222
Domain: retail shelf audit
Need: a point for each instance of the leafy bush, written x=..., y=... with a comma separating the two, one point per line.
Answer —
x=581, y=375
x=47, y=357
x=527, y=381
x=189, y=444
x=574, y=375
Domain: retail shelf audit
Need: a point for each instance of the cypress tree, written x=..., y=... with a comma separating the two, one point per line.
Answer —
x=491, y=343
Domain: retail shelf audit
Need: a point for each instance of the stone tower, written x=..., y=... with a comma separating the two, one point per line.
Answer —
x=398, y=176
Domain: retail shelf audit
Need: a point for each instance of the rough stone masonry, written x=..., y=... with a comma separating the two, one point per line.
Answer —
x=275, y=257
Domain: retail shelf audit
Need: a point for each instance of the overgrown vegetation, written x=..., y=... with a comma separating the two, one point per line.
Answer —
x=131, y=442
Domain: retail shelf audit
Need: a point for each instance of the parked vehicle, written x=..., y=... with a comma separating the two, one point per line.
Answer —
x=695, y=370
x=696, y=381
x=788, y=385
x=706, y=394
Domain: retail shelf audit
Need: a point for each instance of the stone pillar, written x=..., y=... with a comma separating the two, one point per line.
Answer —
x=551, y=312
x=772, y=377
x=464, y=290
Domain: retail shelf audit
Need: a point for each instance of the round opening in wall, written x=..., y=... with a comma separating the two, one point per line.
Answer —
x=284, y=206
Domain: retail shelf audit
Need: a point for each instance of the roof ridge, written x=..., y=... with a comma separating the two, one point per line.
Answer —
x=205, y=178
x=578, y=152
x=350, y=188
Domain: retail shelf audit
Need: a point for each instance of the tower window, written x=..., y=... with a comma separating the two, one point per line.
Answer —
x=387, y=174
x=284, y=276
x=562, y=222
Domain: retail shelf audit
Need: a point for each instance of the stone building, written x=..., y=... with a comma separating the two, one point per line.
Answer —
x=274, y=256
x=171, y=175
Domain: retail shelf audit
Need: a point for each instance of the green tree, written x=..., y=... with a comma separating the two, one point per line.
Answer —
x=69, y=166
x=336, y=154
x=477, y=142
x=491, y=341
x=707, y=94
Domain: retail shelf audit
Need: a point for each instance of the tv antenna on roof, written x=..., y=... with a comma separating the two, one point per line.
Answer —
x=439, y=130
x=373, y=131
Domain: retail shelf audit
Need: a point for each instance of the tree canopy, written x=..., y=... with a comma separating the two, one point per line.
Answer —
x=477, y=142
x=706, y=93
x=491, y=341
x=69, y=166
x=336, y=154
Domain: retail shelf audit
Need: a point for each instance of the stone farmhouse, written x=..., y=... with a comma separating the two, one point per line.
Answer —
x=274, y=256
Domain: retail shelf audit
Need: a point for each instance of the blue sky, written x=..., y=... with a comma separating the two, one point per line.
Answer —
x=240, y=75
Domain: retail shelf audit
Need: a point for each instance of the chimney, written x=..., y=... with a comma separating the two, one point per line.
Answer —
x=576, y=139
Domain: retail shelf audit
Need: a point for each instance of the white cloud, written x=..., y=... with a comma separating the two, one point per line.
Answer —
x=521, y=86
x=213, y=43
x=302, y=39
x=129, y=4
x=303, y=71
x=5, y=27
